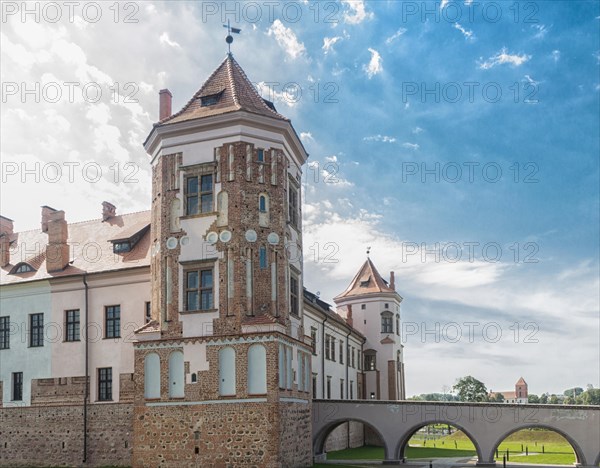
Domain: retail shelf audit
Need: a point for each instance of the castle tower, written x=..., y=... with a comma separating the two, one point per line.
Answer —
x=222, y=369
x=521, y=389
x=374, y=306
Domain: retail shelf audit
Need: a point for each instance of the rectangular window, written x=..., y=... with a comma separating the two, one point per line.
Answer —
x=261, y=155
x=314, y=385
x=199, y=289
x=5, y=332
x=72, y=325
x=359, y=359
x=329, y=387
x=341, y=388
x=387, y=323
x=363, y=306
x=262, y=258
x=294, y=294
x=112, y=321
x=327, y=347
x=313, y=339
x=397, y=325
x=199, y=194
x=352, y=355
x=352, y=390
x=341, y=352
x=36, y=330
x=105, y=384
x=293, y=206
x=370, y=363
x=148, y=310
x=17, y=386
x=332, y=352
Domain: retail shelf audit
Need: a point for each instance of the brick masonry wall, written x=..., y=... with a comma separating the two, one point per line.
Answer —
x=53, y=435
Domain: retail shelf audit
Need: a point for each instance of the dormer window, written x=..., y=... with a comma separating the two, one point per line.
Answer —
x=128, y=239
x=210, y=100
x=365, y=282
x=22, y=268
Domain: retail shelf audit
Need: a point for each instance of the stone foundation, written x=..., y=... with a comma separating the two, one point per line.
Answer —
x=53, y=435
x=338, y=439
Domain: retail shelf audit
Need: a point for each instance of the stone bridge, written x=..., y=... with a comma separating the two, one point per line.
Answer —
x=486, y=424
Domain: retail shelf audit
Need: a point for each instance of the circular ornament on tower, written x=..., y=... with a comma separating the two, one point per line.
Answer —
x=171, y=243
x=225, y=236
x=185, y=240
x=273, y=238
x=212, y=237
x=251, y=235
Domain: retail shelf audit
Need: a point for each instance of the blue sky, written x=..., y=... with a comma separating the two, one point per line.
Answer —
x=385, y=94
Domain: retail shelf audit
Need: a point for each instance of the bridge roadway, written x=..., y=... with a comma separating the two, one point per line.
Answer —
x=486, y=424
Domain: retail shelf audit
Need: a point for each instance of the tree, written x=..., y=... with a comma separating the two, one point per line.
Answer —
x=498, y=397
x=573, y=392
x=470, y=389
x=591, y=397
x=544, y=398
x=569, y=400
x=533, y=399
x=553, y=400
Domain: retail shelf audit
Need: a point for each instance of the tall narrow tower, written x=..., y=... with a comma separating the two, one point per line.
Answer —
x=374, y=306
x=222, y=367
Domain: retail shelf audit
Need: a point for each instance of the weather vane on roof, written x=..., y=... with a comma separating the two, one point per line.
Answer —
x=368, y=251
x=230, y=30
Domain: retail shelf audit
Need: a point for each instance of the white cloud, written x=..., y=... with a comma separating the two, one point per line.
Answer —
x=395, y=36
x=333, y=158
x=443, y=3
x=531, y=80
x=356, y=12
x=412, y=146
x=504, y=57
x=382, y=138
x=287, y=96
x=306, y=137
x=375, y=65
x=165, y=39
x=417, y=130
x=466, y=32
x=468, y=2
x=556, y=55
x=541, y=30
x=287, y=40
x=329, y=42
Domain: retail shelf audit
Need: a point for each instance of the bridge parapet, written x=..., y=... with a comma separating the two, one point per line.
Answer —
x=486, y=424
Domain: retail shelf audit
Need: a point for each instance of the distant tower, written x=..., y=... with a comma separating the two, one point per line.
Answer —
x=225, y=348
x=374, y=306
x=521, y=389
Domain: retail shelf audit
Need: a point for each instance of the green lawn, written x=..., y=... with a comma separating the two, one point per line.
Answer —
x=545, y=447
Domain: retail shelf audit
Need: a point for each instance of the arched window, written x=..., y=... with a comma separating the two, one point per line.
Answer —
x=387, y=322
x=257, y=370
x=176, y=375
x=263, y=203
x=227, y=371
x=152, y=376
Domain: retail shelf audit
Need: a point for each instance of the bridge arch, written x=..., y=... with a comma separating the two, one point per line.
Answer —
x=320, y=438
x=403, y=442
x=579, y=457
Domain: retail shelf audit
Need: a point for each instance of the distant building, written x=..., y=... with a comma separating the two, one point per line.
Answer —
x=518, y=396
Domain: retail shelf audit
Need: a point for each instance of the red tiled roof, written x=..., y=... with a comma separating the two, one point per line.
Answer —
x=367, y=281
x=236, y=93
x=90, y=249
x=263, y=319
x=521, y=381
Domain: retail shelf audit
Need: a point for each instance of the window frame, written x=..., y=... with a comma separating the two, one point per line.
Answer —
x=17, y=384
x=294, y=294
x=148, y=311
x=263, y=258
x=313, y=339
x=387, y=322
x=293, y=205
x=200, y=290
x=112, y=325
x=105, y=384
x=36, y=331
x=199, y=194
x=5, y=332
x=72, y=325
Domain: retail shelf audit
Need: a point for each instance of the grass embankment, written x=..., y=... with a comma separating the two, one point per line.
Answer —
x=544, y=447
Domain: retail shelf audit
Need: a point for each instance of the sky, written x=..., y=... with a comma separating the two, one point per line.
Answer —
x=459, y=141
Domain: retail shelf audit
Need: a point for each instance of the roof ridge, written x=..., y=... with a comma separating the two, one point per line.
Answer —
x=234, y=90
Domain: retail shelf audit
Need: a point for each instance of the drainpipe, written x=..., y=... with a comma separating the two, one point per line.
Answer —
x=323, y=358
x=87, y=383
x=347, y=382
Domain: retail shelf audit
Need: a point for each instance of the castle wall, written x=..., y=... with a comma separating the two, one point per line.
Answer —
x=53, y=435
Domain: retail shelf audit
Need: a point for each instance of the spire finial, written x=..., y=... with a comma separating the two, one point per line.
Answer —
x=368, y=251
x=229, y=38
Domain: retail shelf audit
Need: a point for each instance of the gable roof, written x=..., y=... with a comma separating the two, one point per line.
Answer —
x=366, y=281
x=521, y=381
x=235, y=92
x=90, y=249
